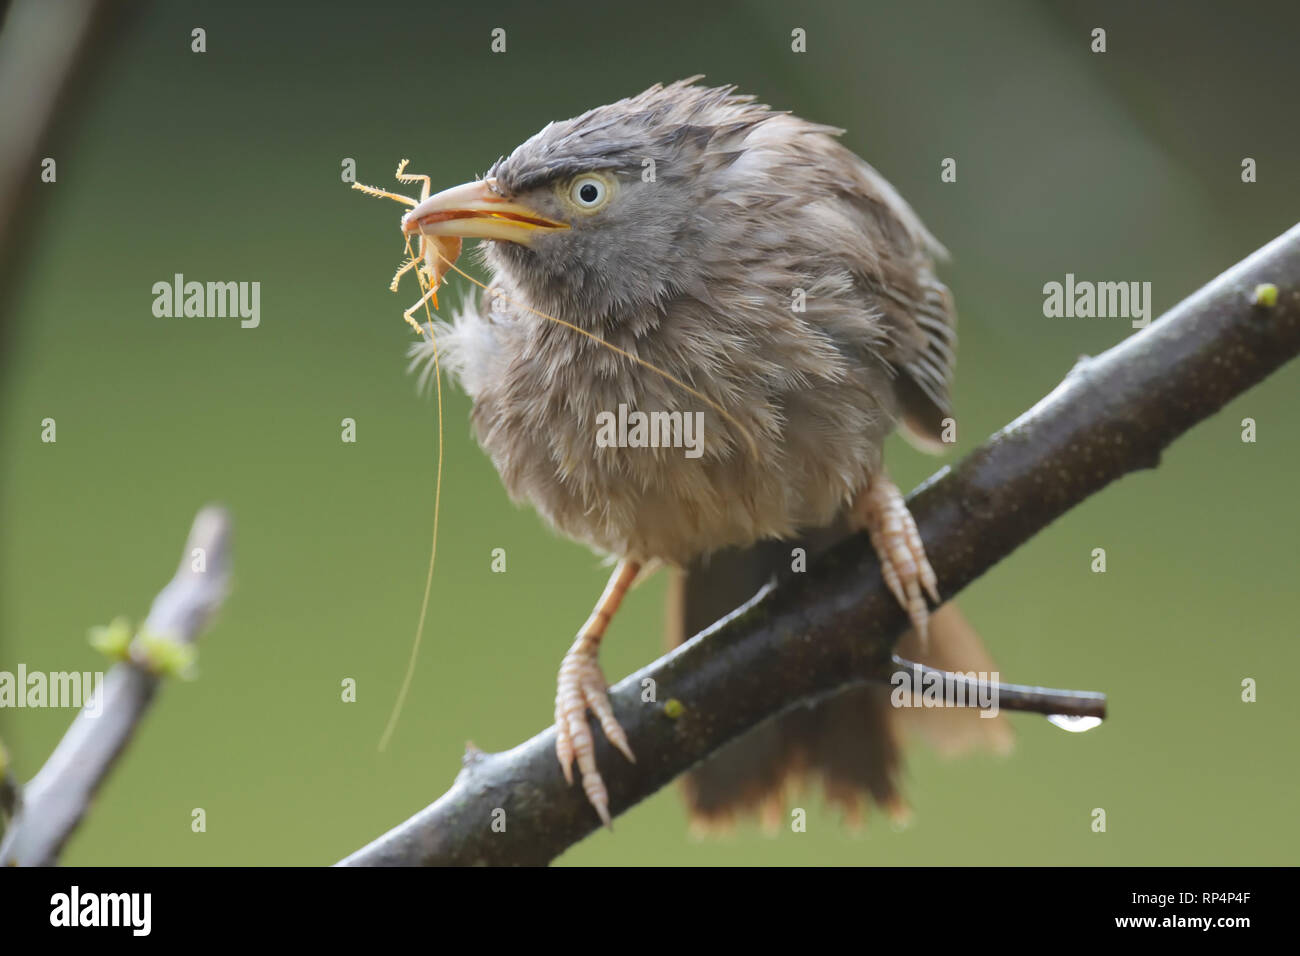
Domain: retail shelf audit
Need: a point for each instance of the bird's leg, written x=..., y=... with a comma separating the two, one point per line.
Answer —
x=580, y=686
x=880, y=509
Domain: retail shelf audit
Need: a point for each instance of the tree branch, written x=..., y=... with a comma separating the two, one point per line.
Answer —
x=11, y=793
x=49, y=55
x=811, y=634
x=57, y=798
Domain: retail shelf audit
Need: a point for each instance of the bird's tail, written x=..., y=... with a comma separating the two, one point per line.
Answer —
x=851, y=742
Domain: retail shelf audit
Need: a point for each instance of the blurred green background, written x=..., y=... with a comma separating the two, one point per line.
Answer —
x=226, y=166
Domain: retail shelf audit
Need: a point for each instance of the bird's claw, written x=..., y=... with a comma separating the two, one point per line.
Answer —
x=581, y=686
x=903, y=564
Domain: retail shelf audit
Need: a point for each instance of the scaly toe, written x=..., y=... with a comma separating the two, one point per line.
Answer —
x=581, y=687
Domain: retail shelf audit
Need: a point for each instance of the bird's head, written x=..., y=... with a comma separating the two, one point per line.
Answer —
x=605, y=213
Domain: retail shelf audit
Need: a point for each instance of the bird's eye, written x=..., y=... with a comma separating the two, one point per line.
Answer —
x=588, y=192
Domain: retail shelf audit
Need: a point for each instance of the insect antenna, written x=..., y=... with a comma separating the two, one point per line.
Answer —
x=433, y=549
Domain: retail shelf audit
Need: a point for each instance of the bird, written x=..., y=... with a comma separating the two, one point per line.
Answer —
x=689, y=251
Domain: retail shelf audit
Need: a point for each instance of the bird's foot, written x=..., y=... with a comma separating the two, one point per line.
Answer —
x=581, y=685
x=881, y=510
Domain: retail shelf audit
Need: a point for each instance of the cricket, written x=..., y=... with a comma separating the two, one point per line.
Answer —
x=434, y=255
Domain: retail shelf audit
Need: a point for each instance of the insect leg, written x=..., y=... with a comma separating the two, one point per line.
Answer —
x=385, y=194
x=407, y=315
x=405, y=268
x=405, y=177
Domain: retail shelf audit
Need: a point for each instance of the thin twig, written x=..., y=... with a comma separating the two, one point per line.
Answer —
x=1034, y=700
x=57, y=798
x=810, y=634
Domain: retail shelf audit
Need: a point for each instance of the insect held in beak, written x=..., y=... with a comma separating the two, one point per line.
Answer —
x=434, y=255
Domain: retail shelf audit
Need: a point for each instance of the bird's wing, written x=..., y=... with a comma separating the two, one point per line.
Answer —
x=896, y=267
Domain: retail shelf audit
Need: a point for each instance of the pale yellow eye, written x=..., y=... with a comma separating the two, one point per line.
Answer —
x=589, y=192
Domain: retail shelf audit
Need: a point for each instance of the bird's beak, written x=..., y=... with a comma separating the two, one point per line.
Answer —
x=474, y=211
